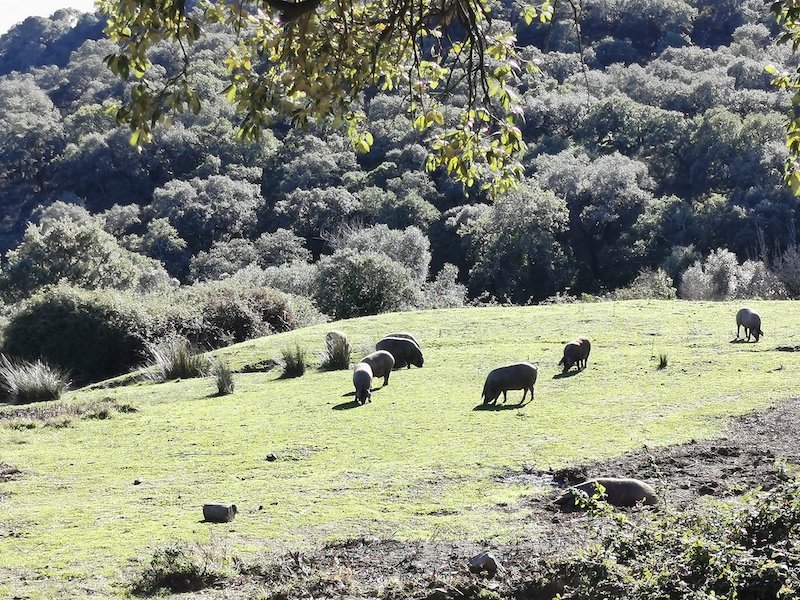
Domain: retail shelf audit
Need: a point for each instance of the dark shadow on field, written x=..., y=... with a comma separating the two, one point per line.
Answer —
x=565, y=374
x=347, y=405
x=742, y=341
x=496, y=407
x=788, y=348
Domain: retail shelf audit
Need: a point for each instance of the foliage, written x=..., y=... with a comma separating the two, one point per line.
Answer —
x=175, y=358
x=787, y=268
x=655, y=285
x=177, y=568
x=730, y=550
x=422, y=46
x=79, y=254
x=721, y=277
x=227, y=312
x=516, y=246
x=443, y=291
x=294, y=361
x=787, y=13
x=223, y=376
x=96, y=334
x=409, y=247
x=336, y=356
x=281, y=247
x=22, y=381
x=205, y=210
x=351, y=284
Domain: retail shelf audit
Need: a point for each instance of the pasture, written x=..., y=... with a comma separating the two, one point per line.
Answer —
x=421, y=461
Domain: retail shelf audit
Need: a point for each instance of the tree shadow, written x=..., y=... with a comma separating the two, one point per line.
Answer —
x=565, y=374
x=496, y=407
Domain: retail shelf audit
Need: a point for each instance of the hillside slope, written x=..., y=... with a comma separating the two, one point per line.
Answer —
x=418, y=462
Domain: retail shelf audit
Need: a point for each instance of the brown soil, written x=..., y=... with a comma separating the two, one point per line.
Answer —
x=749, y=455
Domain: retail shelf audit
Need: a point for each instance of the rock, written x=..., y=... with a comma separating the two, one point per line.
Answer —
x=137, y=482
x=272, y=457
x=219, y=513
x=485, y=562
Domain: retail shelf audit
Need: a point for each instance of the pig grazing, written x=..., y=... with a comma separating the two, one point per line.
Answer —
x=362, y=380
x=403, y=334
x=751, y=321
x=406, y=352
x=576, y=352
x=381, y=362
x=520, y=376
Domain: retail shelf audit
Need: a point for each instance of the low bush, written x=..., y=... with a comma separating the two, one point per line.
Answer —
x=737, y=550
x=444, y=291
x=95, y=334
x=227, y=312
x=177, y=568
x=294, y=361
x=354, y=284
x=23, y=382
x=100, y=334
x=175, y=358
x=648, y=285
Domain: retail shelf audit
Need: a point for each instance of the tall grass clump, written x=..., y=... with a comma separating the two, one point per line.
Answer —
x=294, y=361
x=663, y=361
x=336, y=356
x=175, y=358
x=23, y=381
x=222, y=374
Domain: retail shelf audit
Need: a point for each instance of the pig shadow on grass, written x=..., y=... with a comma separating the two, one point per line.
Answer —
x=565, y=374
x=496, y=407
x=742, y=341
x=351, y=403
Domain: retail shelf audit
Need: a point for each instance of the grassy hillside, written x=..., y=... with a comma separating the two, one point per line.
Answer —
x=418, y=462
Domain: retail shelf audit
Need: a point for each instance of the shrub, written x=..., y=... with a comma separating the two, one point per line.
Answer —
x=648, y=285
x=293, y=278
x=229, y=312
x=444, y=291
x=663, y=361
x=721, y=277
x=756, y=280
x=294, y=361
x=353, y=284
x=95, y=334
x=223, y=376
x=81, y=254
x=743, y=550
x=22, y=381
x=336, y=356
x=177, y=568
x=409, y=247
x=175, y=358
x=787, y=268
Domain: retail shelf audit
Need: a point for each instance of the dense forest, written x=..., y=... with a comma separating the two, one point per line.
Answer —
x=655, y=160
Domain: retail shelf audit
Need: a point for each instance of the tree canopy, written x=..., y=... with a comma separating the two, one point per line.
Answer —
x=313, y=60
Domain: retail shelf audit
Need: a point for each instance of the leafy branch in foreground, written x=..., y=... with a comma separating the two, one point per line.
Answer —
x=313, y=60
x=787, y=13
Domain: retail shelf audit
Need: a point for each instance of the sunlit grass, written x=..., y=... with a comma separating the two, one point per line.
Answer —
x=418, y=462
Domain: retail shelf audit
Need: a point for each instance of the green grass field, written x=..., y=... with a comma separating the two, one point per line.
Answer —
x=418, y=462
